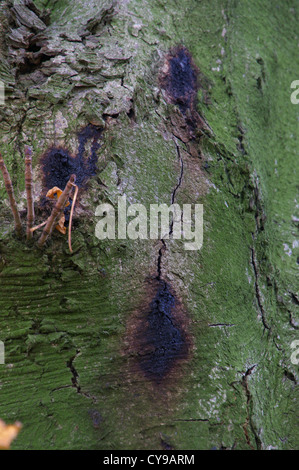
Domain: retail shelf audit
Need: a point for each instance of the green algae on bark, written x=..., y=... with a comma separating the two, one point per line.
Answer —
x=64, y=318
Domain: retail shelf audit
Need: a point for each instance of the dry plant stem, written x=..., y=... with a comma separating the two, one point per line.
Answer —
x=57, y=211
x=38, y=226
x=28, y=185
x=10, y=192
x=71, y=218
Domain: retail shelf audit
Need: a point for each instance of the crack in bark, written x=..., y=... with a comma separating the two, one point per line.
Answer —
x=248, y=421
x=291, y=320
x=75, y=376
x=294, y=298
x=290, y=376
x=159, y=262
x=259, y=227
x=281, y=301
x=295, y=301
x=187, y=420
x=257, y=289
x=173, y=195
x=181, y=173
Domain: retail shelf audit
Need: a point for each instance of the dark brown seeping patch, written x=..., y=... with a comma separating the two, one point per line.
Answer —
x=179, y=78
x=58, y=164
x=157, y=335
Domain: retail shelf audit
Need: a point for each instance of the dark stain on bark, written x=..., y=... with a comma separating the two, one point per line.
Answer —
x=58, y=163
x=157, y=335
x=163, y=340
x=179, y=78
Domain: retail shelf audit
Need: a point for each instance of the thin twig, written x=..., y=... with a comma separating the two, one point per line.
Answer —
x=28, y=185
x=11, y=196
x=71, y=218
x=38, y=226
x=57, y=211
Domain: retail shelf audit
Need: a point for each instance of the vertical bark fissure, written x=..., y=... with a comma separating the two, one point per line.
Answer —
x=248, y=421
x=75, y=375
x=181, y=173
x=75, y=378
x=257, y=290
x=173, y=195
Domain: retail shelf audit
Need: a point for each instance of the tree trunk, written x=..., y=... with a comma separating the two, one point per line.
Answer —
x=144, y=344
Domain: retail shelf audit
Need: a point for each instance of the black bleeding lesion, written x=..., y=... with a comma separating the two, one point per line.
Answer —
x=58, y=164
x=162, y=341
x=180, y=81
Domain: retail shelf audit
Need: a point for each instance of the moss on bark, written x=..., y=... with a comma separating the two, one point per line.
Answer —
x=66, y=320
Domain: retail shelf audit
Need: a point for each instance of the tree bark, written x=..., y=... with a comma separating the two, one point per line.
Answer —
x=142, y=344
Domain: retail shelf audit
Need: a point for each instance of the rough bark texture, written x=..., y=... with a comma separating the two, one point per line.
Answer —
x=161, y=101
